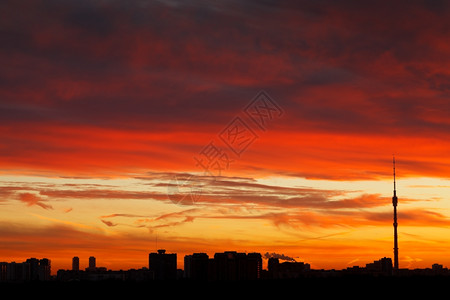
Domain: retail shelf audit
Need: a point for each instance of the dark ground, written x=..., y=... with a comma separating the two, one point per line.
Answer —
x=306, y=288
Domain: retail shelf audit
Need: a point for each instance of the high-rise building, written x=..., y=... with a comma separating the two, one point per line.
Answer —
x=33, y=265
x=232, y=265
x=254, y=265
x=18, y=271
x=3, y=271
x=39, y=269
x=75, y=264
x=92, y=263
x=44, y=272
x=196, y=266
x=225, y=266
x=382, y=266
x=163, y=265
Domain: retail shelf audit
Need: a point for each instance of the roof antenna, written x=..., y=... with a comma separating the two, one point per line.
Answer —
x=393, y=162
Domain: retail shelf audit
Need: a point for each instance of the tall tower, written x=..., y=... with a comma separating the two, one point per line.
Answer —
x=394, y=203
x=75, y=264
x=92, y=264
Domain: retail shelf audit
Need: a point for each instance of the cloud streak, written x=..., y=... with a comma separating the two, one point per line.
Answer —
x=31, y=199
x=234, y=198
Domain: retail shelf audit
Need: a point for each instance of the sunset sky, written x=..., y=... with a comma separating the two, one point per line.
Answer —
x=208, y=126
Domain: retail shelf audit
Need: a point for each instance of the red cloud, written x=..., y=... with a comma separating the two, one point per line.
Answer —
x=32, y=199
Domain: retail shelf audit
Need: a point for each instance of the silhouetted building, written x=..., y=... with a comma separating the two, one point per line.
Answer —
x=92, y=262
x=38, y=269
x=32, y=269
x=75, y=264
x=143, y=274
x=225, y=266
x=18, y=272
x=355, y=271
x=93, y=266
x=3, y=268
x=272, y=266
x=163, y=265
x=103, y=274
x=33, y=265
x=254, y=266
x=196, y=266
x=380, y=267
x=437, y=267
x=232, y=265
x=44, y=269
x=286, y=270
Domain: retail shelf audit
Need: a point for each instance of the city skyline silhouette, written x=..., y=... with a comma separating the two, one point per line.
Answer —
x=223, y=266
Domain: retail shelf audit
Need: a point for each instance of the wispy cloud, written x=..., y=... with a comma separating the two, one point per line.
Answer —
x=108, y=223
x=221, y=191
x=65, y=222
x=31, y=199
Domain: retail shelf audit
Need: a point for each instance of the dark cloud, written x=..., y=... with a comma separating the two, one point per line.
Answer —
x=91, y=19
x=268, y=255
x=367, y=68
x=180, y=48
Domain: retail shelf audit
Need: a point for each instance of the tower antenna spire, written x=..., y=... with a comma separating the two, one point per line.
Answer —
x=393, y=162
x=394, y=203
